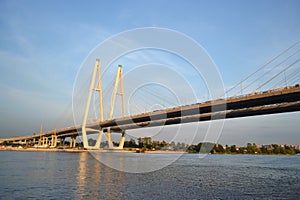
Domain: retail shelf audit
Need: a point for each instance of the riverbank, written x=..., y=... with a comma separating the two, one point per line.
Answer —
x=31, y=149
x=84, y=150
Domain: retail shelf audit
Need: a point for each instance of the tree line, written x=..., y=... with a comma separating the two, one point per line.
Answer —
x=255, y=149
x=206, y=147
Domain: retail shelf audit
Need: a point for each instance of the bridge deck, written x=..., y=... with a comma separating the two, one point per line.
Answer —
x=269, y=102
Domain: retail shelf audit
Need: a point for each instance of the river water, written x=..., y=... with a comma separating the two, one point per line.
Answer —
x=61, y=175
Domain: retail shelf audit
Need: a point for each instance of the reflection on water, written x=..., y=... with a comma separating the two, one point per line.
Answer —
x=135, y=162
x=82, y=176
x=50, y=175
x=96, y=181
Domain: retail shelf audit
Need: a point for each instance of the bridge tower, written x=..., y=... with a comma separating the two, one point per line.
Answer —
x=84, y=130
x=118, y=90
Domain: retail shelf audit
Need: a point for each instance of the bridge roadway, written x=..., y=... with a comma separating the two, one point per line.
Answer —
x=262, y=103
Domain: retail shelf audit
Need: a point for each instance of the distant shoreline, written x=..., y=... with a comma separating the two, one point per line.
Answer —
x=120, y=151
x=83, y=150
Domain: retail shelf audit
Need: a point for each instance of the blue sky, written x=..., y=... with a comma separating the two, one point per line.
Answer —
x=43, y=44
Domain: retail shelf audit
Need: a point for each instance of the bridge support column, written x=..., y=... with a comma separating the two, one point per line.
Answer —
x=73, y=142
x=99, y=139
x=122, y=140
x=46, y=141
x=84, y=138
x=109, y=139
x=43, y=142
x=53, y=140
x=55, y=143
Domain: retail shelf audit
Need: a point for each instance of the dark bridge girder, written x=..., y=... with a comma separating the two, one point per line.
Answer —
x=227, y=114
x=279, y=96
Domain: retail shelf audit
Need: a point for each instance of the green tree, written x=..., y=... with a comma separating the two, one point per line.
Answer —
x=227, y=149
x=218, y=148
x=289, y=150
x=249, y=148
x=130, y=144
x=233, y=149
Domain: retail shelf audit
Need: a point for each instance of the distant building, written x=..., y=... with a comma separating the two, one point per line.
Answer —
x=268, y=147
x=297, y=147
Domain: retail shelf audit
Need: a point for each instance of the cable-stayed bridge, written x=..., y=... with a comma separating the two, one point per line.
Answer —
x=273, y=88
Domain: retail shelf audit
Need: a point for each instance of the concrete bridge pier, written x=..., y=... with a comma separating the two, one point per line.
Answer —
x=43, y=141
x=46, y=141
x=73, y=142
x=109, y=139
x=53, y=140
x=98, y=142
x=122, y=140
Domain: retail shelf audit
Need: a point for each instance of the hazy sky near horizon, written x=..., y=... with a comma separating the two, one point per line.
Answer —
x=44, y=43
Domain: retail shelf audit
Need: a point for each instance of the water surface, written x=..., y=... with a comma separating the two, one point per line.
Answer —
x=59, y=175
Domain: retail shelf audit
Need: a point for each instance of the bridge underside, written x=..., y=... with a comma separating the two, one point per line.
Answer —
x=238, y=113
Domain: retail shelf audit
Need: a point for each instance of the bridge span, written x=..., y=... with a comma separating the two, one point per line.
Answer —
x=274, y=101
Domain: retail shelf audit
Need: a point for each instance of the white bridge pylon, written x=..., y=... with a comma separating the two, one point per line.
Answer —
x=118, y=90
